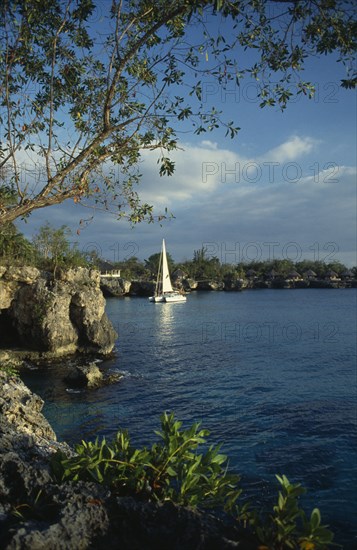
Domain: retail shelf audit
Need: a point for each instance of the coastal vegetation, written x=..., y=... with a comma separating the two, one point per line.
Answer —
x=49, y=249
x=179, y=493
x=181, y=469
x=52, y=248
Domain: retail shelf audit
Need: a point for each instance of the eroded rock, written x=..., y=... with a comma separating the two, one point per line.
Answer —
x=115, y=286
x=58, y=317
x=90, y=376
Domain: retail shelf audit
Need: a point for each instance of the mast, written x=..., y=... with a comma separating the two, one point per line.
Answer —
x=166, y=281
x=158, y=287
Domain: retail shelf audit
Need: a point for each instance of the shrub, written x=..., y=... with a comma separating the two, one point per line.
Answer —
x=173, y=469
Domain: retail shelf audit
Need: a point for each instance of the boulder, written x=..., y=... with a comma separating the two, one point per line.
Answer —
x=80, y=275
x=24, y=274
x=90, y=376
x=87, y=313
x=41, y=318
x=7, y=293
x=232, y=283
x=85, y=376
x=22, y=409
x=189, y=284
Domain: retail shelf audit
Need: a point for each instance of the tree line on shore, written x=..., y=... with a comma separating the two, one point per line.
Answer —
x=51, y=248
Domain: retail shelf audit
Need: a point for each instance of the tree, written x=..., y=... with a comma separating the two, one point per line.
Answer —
x=132, y=268
x=54, y=249
x=152, y=263
x=14, y=247
x=204, y=266
x=81, y=100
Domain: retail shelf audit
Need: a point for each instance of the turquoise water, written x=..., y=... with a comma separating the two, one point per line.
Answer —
x=271, y=373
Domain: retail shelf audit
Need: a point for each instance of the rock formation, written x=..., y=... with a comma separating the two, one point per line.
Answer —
x=115, y=286
x=37, y=513
x=210, y=285
x=142, y=288
x=90, y=377
x=56, y=317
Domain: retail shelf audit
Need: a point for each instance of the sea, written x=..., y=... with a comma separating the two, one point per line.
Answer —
x=270, y=373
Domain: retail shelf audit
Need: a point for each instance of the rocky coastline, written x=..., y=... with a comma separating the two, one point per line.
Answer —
x=120, y=287
x=38, y=513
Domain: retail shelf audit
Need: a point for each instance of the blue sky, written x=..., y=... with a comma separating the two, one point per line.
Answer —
x=285, y=187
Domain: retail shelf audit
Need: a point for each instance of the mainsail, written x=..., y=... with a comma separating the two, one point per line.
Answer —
x=166, y=281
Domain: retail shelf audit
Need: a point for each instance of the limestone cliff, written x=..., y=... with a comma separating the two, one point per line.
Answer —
x=56, y=317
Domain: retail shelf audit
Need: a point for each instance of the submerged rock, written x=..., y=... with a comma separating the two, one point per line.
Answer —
x=90, y=376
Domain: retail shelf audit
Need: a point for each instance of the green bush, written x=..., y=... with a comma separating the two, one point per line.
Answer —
x=173, y=469
x=9, y=369
x=289, y=526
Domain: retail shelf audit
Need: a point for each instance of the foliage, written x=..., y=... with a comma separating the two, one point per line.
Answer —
x=50, y=248
x=289, y=527
x=133, y=269
x=203, y=266
x=9, y=369
x=152, y=263
x=14, y=247
x=83, y=99
x=54, y=249
x=171, y=470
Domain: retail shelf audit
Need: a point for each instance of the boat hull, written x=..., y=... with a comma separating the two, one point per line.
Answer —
x=169, y=297
x=175, y=297
x=156, y=299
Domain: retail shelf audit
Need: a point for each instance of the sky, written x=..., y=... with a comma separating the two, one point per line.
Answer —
x=285, y=187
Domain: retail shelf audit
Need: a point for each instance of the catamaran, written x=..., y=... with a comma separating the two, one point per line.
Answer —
x=163, y=290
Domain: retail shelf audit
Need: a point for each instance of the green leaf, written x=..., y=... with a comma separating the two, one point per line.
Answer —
x=315, y=519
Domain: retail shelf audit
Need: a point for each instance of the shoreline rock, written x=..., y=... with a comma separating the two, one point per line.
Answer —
x=119, y=288
x=90, y=376
x=115, y=286
x=54, y=317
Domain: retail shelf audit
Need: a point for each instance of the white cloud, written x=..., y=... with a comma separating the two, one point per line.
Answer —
x=205, y=168
x=217, y=199
x=290, y=150
x=209, y=144
x=198, y=169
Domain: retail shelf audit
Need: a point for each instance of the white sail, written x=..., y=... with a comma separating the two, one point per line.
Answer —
x=164, y=291
x=166, y=281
